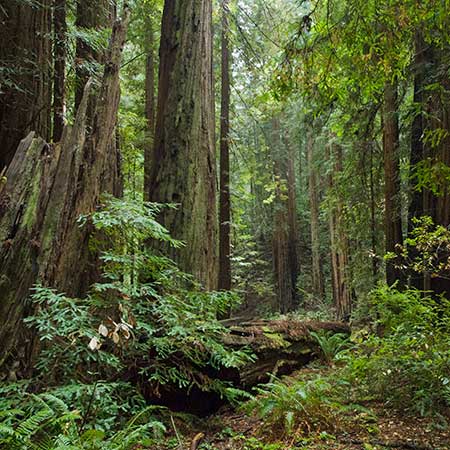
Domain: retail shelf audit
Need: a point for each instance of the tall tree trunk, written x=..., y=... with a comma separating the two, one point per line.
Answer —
x=317, y=270
x=149, y=108
x=342, y=298
x=91, y=15
x=284, y=239
x=48, y=188
x=224, y=199
x=294, y=266
x=184, y=157
x=59, y=75
x=417, y=205
x=393, y=223
x=25, y=57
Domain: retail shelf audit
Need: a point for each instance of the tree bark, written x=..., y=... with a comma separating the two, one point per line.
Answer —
x=317, y=268
x=184, y=156
x=91, y=15
x=393, y=223
x=342, y=297
x=224, y=199
x=25, y=56
x=284, y=238
x=59, y=67
x=48, y=188
x=149, y=109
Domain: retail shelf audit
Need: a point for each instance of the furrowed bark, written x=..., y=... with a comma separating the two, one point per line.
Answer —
x=25, y=55
x=225, y=200
x=48, y=187
x=184, y=155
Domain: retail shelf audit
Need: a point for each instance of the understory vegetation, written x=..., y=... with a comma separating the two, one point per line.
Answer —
x=224, y=224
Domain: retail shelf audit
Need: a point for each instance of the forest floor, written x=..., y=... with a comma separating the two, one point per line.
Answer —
x=234, y=430
x=381, y=429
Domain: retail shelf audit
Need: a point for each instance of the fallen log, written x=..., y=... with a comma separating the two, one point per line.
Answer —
x=281, y=346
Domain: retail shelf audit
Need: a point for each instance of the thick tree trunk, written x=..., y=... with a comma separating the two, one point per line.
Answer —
x=317, y=270
x=59, y=75
x=48, y=187
x=393, y=222
x=224, y=199
x=342, y=297
x=25, y=57
x=149, y=108
x=184, y=158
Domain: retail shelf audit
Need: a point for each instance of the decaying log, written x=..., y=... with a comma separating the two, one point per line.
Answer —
x=45, y=190
x=281, y=346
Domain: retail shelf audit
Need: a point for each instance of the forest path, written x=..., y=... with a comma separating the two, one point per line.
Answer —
x=373, y=428
x=233, y=430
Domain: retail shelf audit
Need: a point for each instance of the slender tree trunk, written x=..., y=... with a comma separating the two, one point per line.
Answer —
x=317, y=270
x=59, y=75
x=224, y=200
x=393, y=223
x=184, y=157
x=25, y=58
x=294, y=265
x=373, y=222
x=48, y=188
x=284, y=239
x=149, y=108
x=342, y=297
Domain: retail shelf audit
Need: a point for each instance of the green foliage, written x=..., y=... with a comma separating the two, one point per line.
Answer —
x=331, y=344
x=407, y=368
x=45, y=422
x=146, y=314
x=297, y=406
x=426, y=250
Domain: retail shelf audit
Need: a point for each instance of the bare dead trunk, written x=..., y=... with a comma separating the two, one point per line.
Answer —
x=48, y=187
x=184, y=156
x=224, y=199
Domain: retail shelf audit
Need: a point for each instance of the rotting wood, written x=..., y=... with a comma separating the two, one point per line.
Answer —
x=47, y=188
x=281, y=346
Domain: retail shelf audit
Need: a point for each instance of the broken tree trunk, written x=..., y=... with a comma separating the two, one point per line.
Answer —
x=281, y=346
x=47, y=188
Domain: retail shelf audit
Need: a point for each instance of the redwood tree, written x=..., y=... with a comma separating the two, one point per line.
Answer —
x=25, y=59
x=183, y=169
x=225, y=201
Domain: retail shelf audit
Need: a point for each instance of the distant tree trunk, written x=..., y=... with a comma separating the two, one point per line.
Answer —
x=294, y=265
x=184, y=157
x=317, y=270
x=393, y=223
x=25, y=57
x=59, y=75
x=48, y=188
x=149, y=108
x=224, y=199
x=342, y=297
x=373, y=222
x=284, y=240
x=91, y=15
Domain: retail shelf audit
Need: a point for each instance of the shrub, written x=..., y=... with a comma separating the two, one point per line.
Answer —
x=146, y=315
